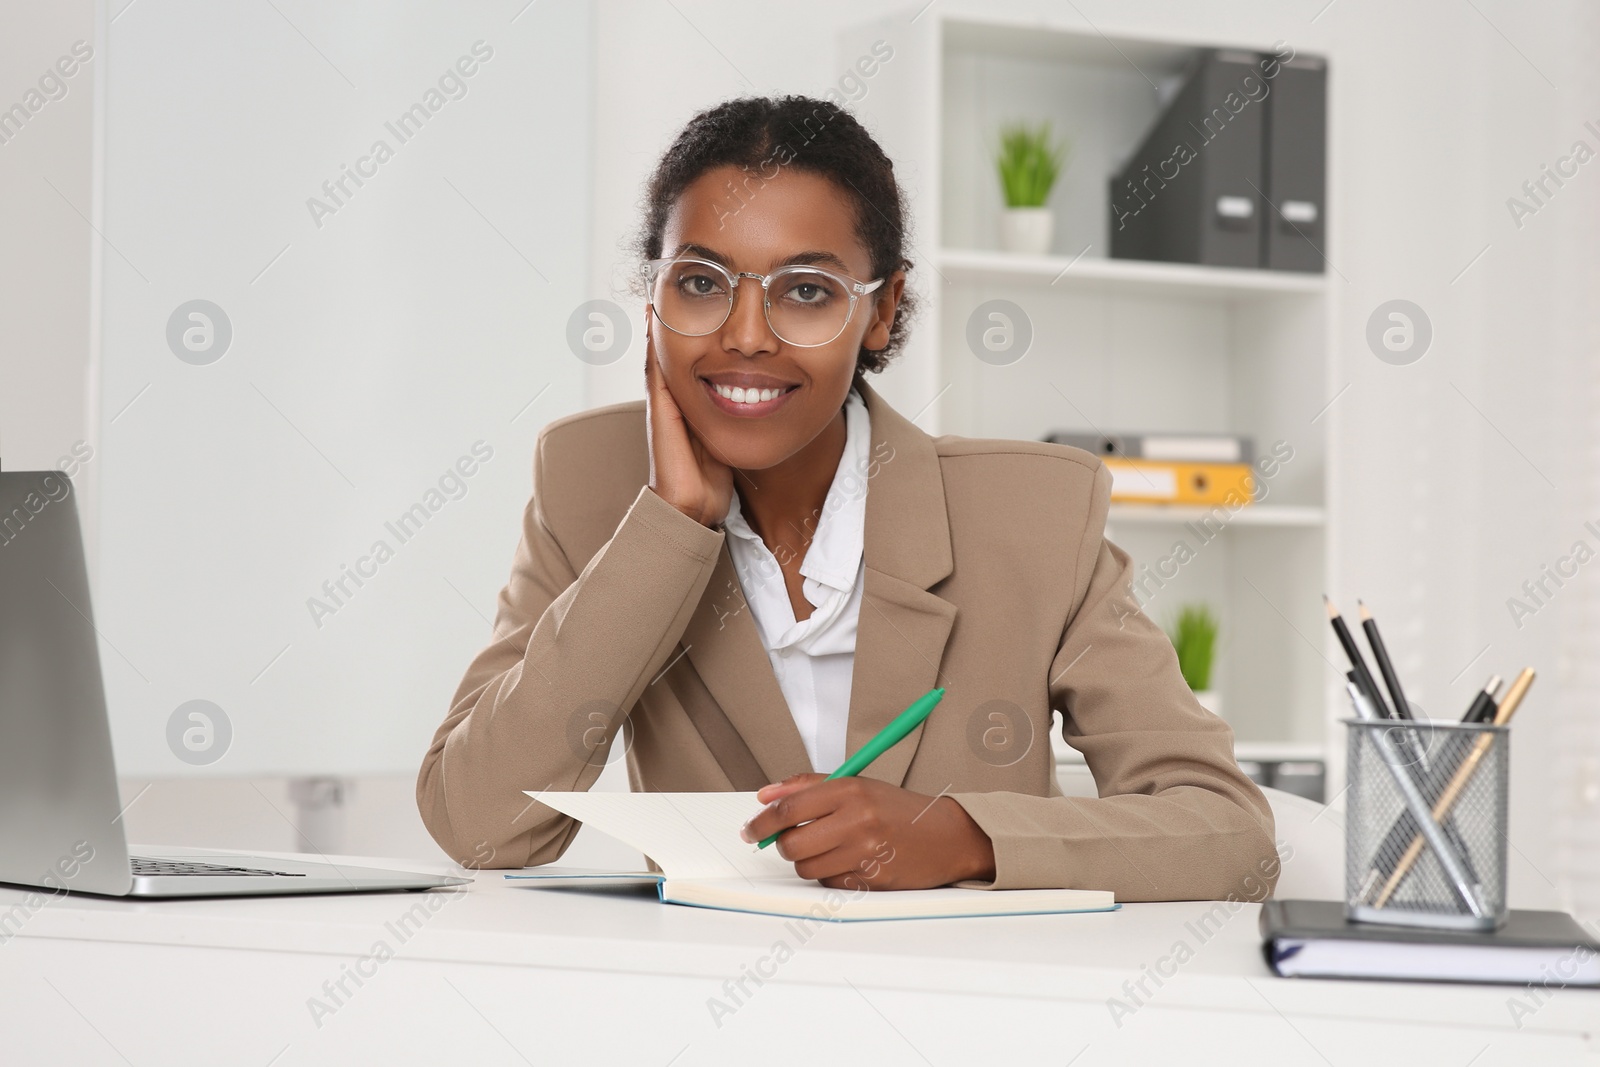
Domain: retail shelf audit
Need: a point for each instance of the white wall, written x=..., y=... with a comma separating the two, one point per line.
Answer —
x=46, y=199
x=390, y=210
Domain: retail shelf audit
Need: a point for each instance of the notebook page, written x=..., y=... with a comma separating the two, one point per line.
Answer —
x=805, y=898
x=689, y=835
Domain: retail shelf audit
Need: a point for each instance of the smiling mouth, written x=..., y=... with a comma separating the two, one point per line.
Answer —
x=749, y=403
x=740, y=395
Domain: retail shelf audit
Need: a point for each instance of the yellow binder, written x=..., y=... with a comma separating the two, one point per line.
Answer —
x=1155, y=482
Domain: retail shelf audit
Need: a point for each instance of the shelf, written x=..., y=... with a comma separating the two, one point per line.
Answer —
x=1049, y=41
x=1259, y=751
x=1130, y=277
x=1279, y=751
x=1070, y=41
x=1250, y=515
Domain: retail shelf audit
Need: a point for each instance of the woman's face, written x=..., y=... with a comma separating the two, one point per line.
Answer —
x=793, y=217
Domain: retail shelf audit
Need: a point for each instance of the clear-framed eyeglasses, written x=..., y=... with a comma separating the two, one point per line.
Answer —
x=805, y=306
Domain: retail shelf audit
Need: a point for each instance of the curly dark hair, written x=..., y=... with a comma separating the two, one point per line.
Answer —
x=763, y=134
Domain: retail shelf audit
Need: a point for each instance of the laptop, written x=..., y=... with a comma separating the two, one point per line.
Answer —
x=60, y=813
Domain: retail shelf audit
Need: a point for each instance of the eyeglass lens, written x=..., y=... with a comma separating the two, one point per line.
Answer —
x=804, y=306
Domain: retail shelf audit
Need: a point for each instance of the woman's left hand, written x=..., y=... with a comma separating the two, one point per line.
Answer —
x=863, y=833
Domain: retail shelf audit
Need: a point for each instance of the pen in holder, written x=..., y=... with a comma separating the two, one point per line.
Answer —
x=1425, y=838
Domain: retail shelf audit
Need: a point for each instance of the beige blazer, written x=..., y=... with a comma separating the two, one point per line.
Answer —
x=987, y=573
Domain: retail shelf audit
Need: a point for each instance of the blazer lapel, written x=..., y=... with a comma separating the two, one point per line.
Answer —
x=902, y=631
x=725, y=647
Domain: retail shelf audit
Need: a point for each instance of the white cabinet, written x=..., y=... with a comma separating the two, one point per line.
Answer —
x=1117, y=345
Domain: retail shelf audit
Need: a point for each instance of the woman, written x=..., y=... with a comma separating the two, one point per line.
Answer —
x=750, y=572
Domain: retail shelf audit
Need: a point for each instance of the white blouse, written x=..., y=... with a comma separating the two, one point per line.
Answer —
x=814, y=659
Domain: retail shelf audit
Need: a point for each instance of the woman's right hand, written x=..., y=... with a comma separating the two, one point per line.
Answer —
x=683, y=472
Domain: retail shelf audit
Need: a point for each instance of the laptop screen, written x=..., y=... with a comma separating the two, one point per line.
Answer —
x=59, y=807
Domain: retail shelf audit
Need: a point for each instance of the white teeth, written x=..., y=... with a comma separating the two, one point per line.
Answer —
x=740, y=395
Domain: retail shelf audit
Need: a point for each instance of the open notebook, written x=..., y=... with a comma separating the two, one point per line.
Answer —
x=694, y=839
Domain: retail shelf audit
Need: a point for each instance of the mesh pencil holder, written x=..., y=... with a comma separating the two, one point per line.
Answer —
x=1425, y=827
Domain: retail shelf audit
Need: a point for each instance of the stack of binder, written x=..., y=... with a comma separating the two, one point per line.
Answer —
x=1232, y=174
x=1172, y=468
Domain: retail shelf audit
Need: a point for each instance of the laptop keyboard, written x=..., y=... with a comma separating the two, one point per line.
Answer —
x=144, y=866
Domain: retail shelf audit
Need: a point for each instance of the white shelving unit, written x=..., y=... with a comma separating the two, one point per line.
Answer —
x=1255, y=515
x=1130, y=277
x=1118, y=345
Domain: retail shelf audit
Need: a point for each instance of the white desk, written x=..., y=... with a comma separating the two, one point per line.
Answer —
x=497, y=974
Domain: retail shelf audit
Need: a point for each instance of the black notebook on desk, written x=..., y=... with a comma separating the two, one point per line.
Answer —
x=1312, y=939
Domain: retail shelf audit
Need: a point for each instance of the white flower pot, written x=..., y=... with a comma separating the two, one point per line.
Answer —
x=1211, y=700
x=1026, y=230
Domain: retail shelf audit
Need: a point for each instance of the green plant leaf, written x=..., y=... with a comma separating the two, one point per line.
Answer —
x=1194, y=638
x=1028, y=164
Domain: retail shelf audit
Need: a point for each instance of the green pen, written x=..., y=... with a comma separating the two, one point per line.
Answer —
x=887, y=738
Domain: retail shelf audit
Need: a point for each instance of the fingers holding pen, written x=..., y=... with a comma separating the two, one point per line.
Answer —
x=794, y=800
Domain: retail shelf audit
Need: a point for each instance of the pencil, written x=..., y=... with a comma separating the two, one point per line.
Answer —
x=1408, y=744
x=1358, y=662
x=1385, y=667
x=1447, y=799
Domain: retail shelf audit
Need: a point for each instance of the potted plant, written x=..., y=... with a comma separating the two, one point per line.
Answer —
x=1028, y=164
x=1194, y=637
